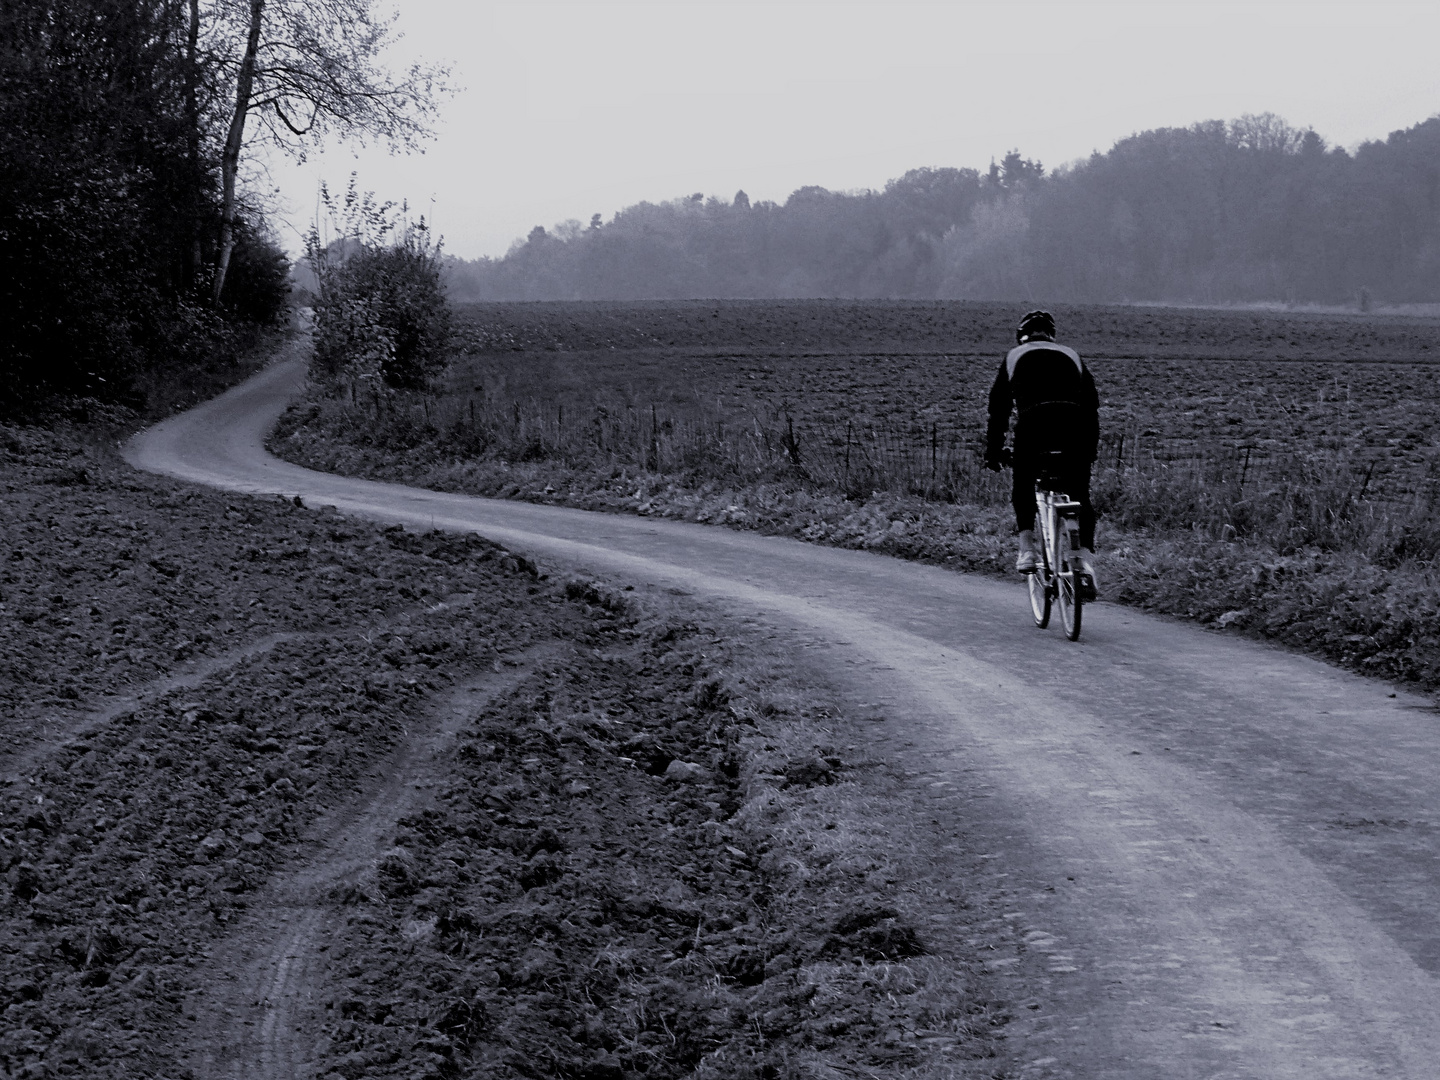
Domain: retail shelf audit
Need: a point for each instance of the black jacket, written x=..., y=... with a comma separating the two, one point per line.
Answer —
x=1054, y=394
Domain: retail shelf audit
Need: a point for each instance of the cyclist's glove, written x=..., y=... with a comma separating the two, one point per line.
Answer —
x=995, y=460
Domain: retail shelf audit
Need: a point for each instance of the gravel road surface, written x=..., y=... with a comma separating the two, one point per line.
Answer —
x=1227, y=856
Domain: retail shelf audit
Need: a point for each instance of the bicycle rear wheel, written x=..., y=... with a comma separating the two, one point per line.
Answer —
x=1039, y=582
x=1069, y=596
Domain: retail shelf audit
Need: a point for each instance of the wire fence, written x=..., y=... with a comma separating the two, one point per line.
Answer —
x=1289, y=496
x=917, y=456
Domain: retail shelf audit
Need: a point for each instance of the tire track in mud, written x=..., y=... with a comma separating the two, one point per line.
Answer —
x=24, y=758
x=15, y=762
x=265, y=1000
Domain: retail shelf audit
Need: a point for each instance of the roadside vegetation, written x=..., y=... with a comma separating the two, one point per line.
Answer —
x=137, y=267
x=1262, y=473
x=382, y=322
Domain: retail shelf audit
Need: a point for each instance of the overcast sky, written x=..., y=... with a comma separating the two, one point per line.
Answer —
x=574, y=109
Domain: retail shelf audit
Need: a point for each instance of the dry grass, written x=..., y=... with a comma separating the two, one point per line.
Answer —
x=1298, y=557
x=1329, y=499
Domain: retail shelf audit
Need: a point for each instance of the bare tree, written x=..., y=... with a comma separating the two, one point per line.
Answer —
x=1265, y=133
x=309, y=68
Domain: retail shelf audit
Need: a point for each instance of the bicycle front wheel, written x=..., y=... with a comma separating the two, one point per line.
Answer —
x=1069, y=597
x=1039, y=598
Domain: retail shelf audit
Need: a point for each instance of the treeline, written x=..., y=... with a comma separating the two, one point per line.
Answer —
x=127, y=242
x=1249, y=210
x=110, y=201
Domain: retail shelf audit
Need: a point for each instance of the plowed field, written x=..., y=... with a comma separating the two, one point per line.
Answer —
x=1174, y=382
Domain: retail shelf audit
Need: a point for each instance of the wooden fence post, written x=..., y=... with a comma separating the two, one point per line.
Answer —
x=1366, y=485
x=792, y=448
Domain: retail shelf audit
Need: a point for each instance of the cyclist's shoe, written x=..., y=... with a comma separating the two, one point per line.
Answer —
x=1028, y=561
x=1086, y=574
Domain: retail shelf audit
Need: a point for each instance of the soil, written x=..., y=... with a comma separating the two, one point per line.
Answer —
x=1175, y=383
x=286, y=794
x=936, y=326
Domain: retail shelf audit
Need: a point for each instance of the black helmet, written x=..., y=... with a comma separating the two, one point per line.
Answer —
x=1036, y=324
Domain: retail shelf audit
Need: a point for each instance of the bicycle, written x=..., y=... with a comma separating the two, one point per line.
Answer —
x=1057, y=578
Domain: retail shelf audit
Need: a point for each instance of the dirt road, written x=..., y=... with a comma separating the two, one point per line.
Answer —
x=1227, y=856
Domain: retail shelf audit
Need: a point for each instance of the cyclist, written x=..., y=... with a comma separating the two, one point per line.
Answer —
x=1052, y=391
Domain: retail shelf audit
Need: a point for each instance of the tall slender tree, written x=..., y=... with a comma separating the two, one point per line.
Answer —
x=305, y=69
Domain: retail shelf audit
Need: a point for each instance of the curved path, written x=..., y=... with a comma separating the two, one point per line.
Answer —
x=1226, y=856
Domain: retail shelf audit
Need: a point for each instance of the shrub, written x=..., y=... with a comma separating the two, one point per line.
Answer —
x=257, y=286
x=381, y=316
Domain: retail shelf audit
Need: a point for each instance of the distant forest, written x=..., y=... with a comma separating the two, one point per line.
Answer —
x=1246, y=210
